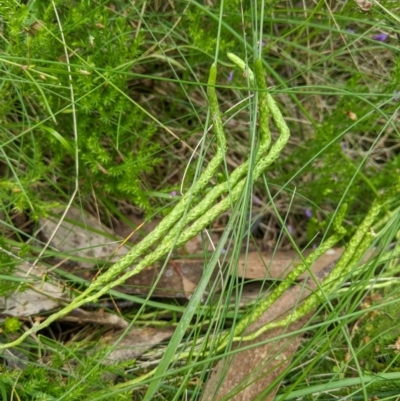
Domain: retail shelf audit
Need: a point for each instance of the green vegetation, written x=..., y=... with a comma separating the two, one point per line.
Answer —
x=51, y=110
x=106, y=106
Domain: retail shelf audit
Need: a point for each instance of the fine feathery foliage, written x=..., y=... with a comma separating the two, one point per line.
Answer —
x=115, y=145
x=105, y=105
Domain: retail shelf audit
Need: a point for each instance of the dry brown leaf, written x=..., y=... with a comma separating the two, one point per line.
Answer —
x=140, y=227
x=188, y=287
x=47, y=295
x=170, y=282
x=41, y=296
x=16, y=360
x=80, y=236
x=267, y=265
x=277, y=265
x=250, y=292
x=199, y=243
x=100, y=317
x=181, y=281
x=88, y=243
x=72, y=238
x=364, y=5
x=135, y=342
x=247, y=374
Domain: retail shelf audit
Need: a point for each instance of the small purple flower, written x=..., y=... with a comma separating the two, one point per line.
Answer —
x=257, y=201
x=308, y=213
x=351, y=31
x=290, y=229
x=223, y=250
x=381, y=37
x=396, y=95
x=173, y=193
x=230, y=76
x=343, y=145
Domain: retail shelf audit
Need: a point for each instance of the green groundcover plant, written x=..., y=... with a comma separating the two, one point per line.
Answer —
x=115, y=146
x=77, y=127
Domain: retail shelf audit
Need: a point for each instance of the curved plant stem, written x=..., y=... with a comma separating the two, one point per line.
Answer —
x=357, y=246
x=173, y=229
x=182, y=223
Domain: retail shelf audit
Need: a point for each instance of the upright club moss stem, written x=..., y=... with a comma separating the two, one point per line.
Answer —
x=184, y=223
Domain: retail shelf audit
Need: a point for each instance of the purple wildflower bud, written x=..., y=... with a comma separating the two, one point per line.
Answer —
x=396, y=95
x=257, y=201
x=290, y=229
x=308, y=213
x=350, y=30
x=230, y=76
x=381, y=37
x=262, y=44
x=173, y=193
x=343, y=145
x=223, y=250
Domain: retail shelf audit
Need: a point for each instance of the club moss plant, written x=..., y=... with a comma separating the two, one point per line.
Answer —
x=137, y=71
